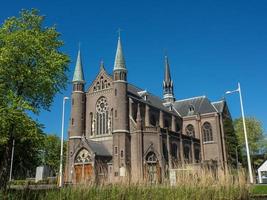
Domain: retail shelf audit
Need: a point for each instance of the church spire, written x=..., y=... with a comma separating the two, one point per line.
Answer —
x=119, y=63
x=167, y=74
x=78, y=72
x=168, y=95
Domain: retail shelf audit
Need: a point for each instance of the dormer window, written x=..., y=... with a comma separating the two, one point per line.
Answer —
x=191, y=109
x=143, y=94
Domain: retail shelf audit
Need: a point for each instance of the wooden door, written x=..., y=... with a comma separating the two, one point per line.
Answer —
x=78, y=173
x=87, y=172
x=83, y=173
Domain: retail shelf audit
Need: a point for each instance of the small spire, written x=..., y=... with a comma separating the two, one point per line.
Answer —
x=119, y=63
x=168, y=95
x=78, y=72
x=167, y=76
x=102, y=67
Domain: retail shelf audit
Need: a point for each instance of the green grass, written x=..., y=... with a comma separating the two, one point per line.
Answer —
x=114, y=192
x=258, y=190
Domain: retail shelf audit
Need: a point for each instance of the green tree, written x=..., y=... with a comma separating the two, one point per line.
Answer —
x=32, y=71
x=255, y=135
x=231, y=142
x=51, y=148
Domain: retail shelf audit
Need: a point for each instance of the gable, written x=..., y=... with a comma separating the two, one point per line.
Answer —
x=263, y=166
x=102, y=81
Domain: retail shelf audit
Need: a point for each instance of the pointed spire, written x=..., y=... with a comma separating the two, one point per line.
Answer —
x=78, y=72
x=167, y=76
x=167, y=83
x=119, y=63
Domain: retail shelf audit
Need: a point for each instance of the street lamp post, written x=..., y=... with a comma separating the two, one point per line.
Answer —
x=11, y=162
x=245, y=130
x=61, y=147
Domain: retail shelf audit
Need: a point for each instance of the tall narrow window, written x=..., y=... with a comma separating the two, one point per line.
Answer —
x=92, y=125
x=207, y=132
x=102, y=116
x=116, y=150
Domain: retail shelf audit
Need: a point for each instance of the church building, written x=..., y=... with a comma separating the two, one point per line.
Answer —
x=118, y=131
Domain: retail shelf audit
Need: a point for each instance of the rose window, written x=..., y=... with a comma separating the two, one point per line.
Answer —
x=102, y=105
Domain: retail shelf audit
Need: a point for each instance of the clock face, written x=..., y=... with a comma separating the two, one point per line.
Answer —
x=102, y=105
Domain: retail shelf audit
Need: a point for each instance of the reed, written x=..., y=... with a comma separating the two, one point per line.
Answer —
x=190, y=185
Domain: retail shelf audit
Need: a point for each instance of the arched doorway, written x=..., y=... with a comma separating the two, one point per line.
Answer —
x=152, y=168
x=83, y=167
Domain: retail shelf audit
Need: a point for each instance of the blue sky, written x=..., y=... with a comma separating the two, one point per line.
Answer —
x=211, y=46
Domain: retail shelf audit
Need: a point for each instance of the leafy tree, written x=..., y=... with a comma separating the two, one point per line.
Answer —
x=254, y=133
x=51, y=149
x=32, y=71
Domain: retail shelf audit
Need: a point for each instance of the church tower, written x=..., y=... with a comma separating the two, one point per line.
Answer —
x=121, y=153
x=168, y=95
x=77, y=123
x=77, y=119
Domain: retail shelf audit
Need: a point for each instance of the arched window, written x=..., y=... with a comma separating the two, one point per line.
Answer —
x=174, y=149
x=207, y=132
x=83, y=157
x=102, y=117
x=190, y=130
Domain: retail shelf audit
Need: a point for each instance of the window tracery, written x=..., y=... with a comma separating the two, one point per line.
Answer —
x=207, y=132
x=83, y=157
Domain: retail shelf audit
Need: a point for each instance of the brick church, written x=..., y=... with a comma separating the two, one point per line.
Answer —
x=119, y=131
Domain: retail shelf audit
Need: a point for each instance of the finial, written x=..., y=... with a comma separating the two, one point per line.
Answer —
x=102, y=64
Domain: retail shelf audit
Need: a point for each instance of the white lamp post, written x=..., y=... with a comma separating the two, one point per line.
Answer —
x=11, y=162
x=61, y=150
x=245, y=130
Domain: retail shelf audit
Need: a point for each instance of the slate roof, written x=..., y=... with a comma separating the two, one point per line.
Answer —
x=151, y=99
x=78, y=71
x=193, y=106
x=219, y=105
x=98, y=148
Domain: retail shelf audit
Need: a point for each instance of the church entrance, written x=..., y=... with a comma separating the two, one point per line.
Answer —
x=83, y=167
x=152, y=168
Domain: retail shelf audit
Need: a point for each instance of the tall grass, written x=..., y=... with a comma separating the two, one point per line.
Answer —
x=191, y=184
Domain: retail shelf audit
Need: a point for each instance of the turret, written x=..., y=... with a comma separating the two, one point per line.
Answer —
x=77, y=123
x=121, y=117
x=168, y=95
